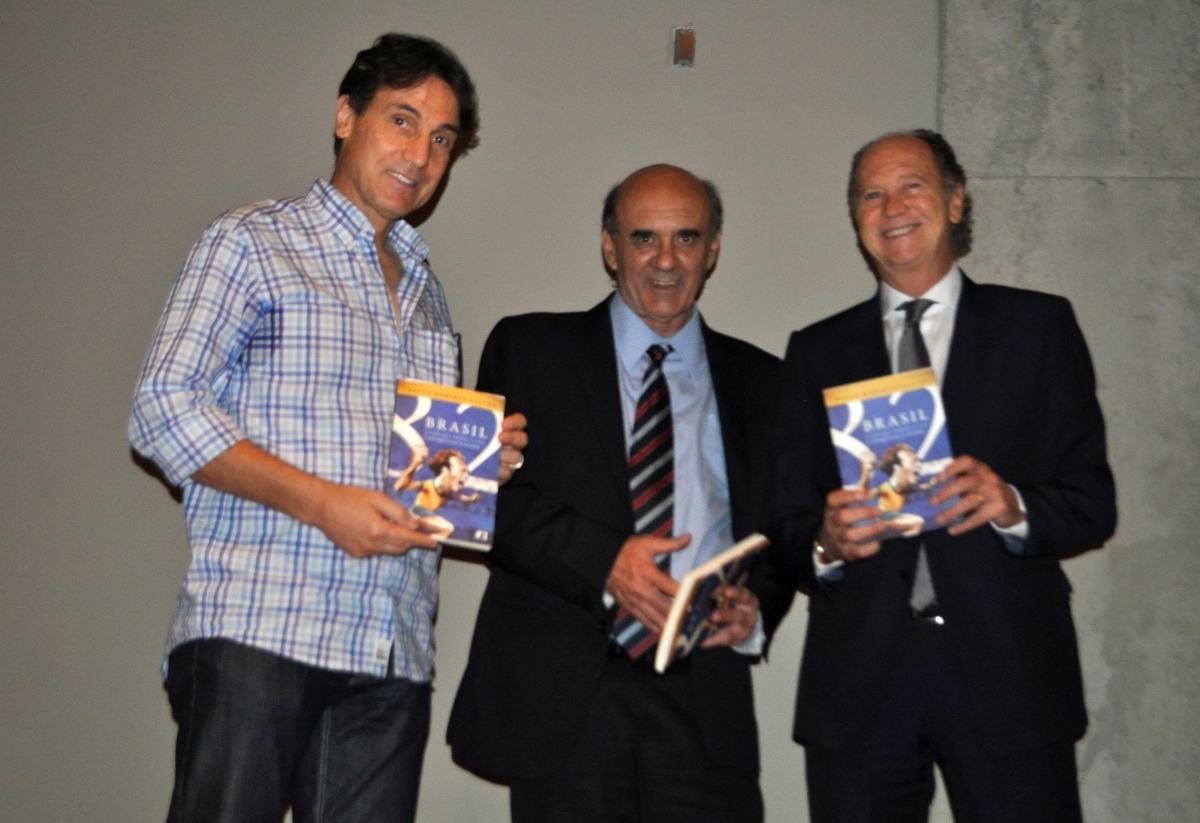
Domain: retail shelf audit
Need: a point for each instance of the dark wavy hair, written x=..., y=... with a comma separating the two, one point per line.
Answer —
x=952, y=175
x=401, y=61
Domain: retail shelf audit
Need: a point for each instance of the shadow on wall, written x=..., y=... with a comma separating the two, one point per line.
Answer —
x=151, y=468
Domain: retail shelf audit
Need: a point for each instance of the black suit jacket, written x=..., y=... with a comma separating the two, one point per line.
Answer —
x=1019, y=393
x=541, y=637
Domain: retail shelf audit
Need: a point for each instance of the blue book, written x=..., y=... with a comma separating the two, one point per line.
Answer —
x=445, y=460
x=890, y=437
x=689, y=623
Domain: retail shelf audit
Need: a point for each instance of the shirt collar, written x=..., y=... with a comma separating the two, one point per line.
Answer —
x=946, y=292
x=632, y=337
x=351, y=226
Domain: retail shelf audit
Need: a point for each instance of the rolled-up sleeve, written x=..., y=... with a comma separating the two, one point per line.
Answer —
x=211, y=313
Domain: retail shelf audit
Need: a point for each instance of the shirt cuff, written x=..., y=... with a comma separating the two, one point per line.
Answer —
x=827, y=571
x=1014, y=536
x=753, y=645
x=183, y=443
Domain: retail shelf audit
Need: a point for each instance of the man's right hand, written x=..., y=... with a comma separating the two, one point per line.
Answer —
x=840, y=538
x=638, y=584
x=363, y=522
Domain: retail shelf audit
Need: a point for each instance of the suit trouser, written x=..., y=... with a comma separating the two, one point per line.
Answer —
x=922, y=721
x=640, y=758
x=257, y=730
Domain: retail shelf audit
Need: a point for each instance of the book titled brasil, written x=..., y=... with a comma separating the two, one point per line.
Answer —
x=444, y=460
x=688, y=624
x=891, y=440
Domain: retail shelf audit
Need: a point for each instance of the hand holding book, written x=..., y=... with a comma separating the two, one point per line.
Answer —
x=983, y=495
x=893, y=450
x=711, y=603
x=513, y=441
x=852, y=528
x=638, y=584
x=735, y=617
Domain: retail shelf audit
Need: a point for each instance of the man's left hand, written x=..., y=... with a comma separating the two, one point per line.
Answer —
x=983, y=497
x=513, y=441
x=736, y=620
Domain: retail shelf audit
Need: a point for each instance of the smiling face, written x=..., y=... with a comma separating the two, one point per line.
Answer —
x=663, y=250
x=904, y=214
x=394, y=154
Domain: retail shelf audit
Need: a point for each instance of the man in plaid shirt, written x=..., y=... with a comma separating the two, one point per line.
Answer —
x=301, y=651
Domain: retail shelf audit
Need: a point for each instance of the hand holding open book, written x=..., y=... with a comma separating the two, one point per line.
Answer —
x=689, y=623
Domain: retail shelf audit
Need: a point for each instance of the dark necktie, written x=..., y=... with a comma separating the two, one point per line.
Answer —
x=912, y=354
x=651, y=485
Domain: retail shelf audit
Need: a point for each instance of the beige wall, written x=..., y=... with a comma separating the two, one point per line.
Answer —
x=129, y=125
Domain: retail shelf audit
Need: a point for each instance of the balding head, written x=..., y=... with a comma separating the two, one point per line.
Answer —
x=660, y=241
x=716, y=210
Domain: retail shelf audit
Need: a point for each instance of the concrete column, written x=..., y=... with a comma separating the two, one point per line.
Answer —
x=1076, y=121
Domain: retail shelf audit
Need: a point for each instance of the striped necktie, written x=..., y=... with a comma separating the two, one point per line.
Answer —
x=651, y=484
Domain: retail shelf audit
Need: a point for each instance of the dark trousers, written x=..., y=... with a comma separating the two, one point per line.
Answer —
x=923, y=721
x=639, y=759
x=257, y=731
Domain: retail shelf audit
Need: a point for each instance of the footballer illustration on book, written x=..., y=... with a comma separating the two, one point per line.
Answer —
x=891, y=440
x=689, y=622
x=445, y=460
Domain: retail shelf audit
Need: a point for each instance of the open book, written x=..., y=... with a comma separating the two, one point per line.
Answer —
x=688, y=624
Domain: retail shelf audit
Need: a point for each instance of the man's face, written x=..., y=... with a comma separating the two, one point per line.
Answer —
x=453, y=477
x=662, y=252
x=394, y=154
x=904, y=214
x=906, y=472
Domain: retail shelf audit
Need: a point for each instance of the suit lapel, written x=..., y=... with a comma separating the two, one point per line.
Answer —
x=964, y=370
x=732, y=415
x=597, y=365
x=865, y=350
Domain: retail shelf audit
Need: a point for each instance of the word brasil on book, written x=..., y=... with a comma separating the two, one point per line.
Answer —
x=890, y=437
x=445, y=460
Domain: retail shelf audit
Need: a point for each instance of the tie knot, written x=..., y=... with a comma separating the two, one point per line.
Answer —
x=658, y=353
x=913, y=310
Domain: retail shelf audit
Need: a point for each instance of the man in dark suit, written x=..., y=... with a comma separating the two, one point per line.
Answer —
x=580, y=726
x=955, y=646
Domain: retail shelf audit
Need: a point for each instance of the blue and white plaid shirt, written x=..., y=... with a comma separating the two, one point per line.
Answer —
x=280, y=330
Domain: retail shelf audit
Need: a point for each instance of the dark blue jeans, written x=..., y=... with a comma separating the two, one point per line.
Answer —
x=257, y=731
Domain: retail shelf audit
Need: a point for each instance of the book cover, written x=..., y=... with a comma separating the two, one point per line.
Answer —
x=444, y=460
x=890, y=437
x=688, y=624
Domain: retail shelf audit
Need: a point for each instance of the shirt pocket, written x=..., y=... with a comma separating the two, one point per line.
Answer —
x=432, y=356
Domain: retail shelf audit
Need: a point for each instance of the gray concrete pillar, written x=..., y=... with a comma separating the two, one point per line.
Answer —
x=1076, y=122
